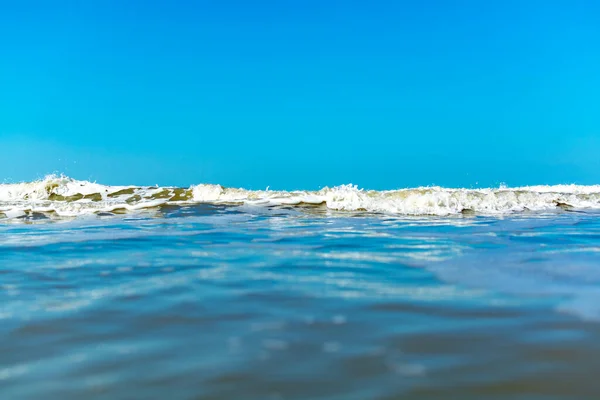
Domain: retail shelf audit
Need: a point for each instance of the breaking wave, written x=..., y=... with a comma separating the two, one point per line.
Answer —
x=66, y=197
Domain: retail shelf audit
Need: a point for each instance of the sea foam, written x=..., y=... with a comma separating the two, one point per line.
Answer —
x=66, y=197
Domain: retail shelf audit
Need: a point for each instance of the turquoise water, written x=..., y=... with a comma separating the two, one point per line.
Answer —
x=206, y=301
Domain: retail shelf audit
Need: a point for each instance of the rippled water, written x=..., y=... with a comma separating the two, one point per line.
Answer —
x=240, y=302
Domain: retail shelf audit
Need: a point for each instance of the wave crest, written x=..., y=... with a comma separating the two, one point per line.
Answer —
x=67, y=197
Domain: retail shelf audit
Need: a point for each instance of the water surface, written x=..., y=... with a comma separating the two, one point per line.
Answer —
x=206, y=301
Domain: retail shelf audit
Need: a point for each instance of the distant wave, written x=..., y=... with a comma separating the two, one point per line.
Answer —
x=67, y=197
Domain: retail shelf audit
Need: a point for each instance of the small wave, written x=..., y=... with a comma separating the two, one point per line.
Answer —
x=66, y=197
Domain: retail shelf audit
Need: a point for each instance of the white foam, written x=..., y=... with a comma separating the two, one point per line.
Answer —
x=64, y=196
x=419, y=201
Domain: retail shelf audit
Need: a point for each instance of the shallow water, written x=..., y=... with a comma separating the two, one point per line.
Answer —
x=240, y=302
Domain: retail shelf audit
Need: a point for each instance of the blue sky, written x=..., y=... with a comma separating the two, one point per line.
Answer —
x=301, y=94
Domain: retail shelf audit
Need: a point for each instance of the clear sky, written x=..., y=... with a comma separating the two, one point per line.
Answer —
x=301, y=94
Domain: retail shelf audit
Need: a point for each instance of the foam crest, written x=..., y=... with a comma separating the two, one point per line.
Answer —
x=66, y=197
x=419, y=201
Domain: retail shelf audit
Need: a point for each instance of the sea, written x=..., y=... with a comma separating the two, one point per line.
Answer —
x=209, y=292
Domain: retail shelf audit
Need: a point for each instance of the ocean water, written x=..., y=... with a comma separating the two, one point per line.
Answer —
x=217, y=293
